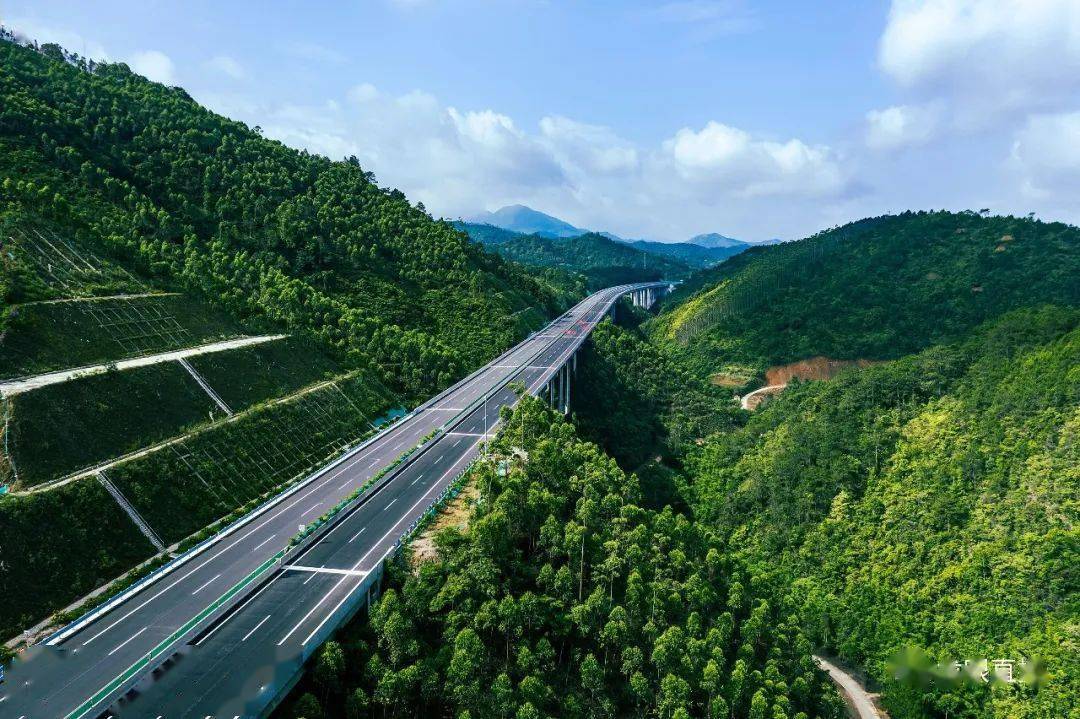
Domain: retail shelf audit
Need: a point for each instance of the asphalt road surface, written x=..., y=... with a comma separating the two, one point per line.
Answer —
x=234, y=666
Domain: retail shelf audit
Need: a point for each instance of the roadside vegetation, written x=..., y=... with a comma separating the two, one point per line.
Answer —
x=58, y=546
x=247, y=376
x=65, y=427
x=920, y=506
x=566, y=597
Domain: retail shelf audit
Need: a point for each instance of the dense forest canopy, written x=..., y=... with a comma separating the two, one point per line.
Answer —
x=687, y=557
x=140, y=171
x=929, y=502
x=568, y=598
x=602, y=260
x=878, y=288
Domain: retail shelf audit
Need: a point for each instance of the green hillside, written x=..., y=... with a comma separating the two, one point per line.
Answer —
x=604, y=262
x=878, y=288
x=688, y=253
x=133, y=222
x=566, y=597
x=138, y=171
x=930, y=502
x=680, y=253
x=924, y=504
x=486, y=234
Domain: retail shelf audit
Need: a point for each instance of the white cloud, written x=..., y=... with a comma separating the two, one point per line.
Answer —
x=723, y=157
x=363, y=92
x=587, y=148
x=154, y=65
x=988, y=55
x=457, y=161
x=227, y=66
x=901, y=125
x=1047, y=152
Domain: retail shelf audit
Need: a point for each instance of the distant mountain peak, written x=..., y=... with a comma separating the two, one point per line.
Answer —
x=716, y=240
x=526, y=220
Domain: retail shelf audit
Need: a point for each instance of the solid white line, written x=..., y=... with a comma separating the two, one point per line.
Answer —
x=260, y=544
x=233, y=613
x=356, y=535
x=204, y=586
x=255, y=627
x=124, y=643
x=273, y=514
x=323, y=569
x=361, y=561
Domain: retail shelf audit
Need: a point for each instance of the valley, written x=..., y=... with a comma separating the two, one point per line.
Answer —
x=279, y=442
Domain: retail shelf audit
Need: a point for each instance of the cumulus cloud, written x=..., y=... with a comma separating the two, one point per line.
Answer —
x=457, y=161
x=154, y=65
x=901, y=125
x=585, y=148
x=1047, y=152
x=989, y=55
x=723, y=157
x=225, y=65
x=453, y=160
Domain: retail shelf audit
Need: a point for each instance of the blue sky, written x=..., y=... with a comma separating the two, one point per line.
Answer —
x=649, y=119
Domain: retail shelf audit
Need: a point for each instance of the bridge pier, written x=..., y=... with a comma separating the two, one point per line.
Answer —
x=558, y=387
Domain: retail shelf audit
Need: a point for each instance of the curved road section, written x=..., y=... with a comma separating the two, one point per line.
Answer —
x=223, y=630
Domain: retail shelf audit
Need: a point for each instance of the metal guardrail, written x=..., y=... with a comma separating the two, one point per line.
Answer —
x=233, y=596
x=133, y=673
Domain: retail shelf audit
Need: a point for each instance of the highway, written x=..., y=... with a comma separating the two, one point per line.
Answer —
x=235, y=665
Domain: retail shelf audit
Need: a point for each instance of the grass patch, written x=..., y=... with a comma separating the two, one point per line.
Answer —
x=59, y=545
x=46, y=337
x=247, y=376
x=61, y=428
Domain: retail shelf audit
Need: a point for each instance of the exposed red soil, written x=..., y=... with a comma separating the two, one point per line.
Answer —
x=811, y=368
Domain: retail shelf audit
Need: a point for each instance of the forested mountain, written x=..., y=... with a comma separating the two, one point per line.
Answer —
x=697, y=256
x=142, y=173
x=692, y=255
x=879, y=288
x=486, y=234
x=923, y=506
x=602, y=261
x=930, y=503
x=567, y=597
